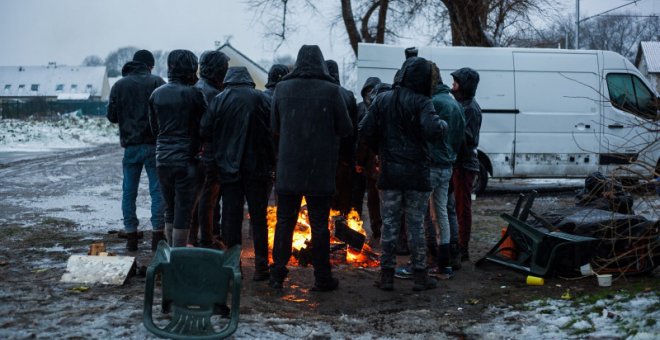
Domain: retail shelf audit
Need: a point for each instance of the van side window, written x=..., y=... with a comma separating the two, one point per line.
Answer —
x=627, y=92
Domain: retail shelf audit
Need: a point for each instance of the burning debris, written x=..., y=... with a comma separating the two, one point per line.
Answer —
x=347, y=241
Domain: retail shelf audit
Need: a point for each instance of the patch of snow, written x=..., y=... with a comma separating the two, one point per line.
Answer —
x=70, y=131
x=632, y=317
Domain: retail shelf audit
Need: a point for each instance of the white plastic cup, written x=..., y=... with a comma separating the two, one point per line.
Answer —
x=585, y=270
x=604, y=280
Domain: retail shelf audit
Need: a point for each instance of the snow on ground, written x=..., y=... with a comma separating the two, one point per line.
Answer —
x=71, y=130
x=617, y=316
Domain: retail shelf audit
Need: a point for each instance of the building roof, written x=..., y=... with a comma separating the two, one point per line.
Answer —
x=236, y=58
x=650, y=51
x=52, y=80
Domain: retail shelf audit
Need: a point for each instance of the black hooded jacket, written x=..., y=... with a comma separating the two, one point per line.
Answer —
x=398, y=124
x=369, y=84
x=237, y=124
x=308, y=114
x=129, y=104
x=468, y=79
x=346, y=144
x=176, y=109
x=275, y=74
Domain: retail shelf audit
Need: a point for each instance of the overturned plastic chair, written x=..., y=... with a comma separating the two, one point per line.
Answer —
x=196, y=283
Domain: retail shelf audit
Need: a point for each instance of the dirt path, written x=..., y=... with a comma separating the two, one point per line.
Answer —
x=56, y=206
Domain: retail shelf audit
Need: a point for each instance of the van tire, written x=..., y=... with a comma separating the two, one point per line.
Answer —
x=480, y=180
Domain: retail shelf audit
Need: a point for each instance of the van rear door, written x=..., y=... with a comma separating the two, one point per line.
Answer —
x=557, y=129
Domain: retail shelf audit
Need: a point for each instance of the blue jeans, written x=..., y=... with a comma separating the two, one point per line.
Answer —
x=136, y=157
x=440, y=178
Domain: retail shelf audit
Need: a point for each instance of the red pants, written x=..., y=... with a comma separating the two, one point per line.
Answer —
x=462, y=180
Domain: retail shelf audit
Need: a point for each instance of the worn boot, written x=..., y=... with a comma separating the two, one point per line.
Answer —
x=261, y=273
x=168, y=233
x=132, y=241
x=156, y=237
x=454, y=257
x=386, y=279
x=423, y=281
x=179, y=237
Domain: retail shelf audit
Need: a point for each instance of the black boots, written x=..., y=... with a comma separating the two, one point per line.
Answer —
x=386, y=279
x=156, y=237
x=423, y=281
x=132, y=241
x=326, y=285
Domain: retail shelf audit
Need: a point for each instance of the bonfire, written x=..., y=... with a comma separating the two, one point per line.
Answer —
x=341, y=251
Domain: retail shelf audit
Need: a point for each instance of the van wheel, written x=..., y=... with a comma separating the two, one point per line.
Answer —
x=480, y=180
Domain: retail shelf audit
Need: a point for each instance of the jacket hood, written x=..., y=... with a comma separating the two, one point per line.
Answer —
x=310, y=64
x=213, y=66
x=134, y=67
x=182, y=66
x=371, y=82
x=467, y=79
x=441, y=88
x=238, y=75
x=416, y=75
x=333, y=70
x=378, y=89
x=275, y=74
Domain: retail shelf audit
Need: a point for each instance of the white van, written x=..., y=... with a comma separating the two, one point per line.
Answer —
x=546, y=112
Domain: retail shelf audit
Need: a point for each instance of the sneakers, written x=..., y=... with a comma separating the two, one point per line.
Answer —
x=326, y=285
x=404, y=272
x=444, y=273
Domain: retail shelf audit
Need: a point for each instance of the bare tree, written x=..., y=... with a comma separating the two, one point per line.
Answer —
x=116, y=60
x=471, y=22
x=92, y=60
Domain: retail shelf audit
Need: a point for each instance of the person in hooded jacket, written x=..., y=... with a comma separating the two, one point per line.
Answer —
x=275, y=74
x=359, y=178
x=175, y=111
x=237, y=123
x=308, y=114
x=466, y=167
x=129, y=106
x=443, y=156
x=398, y=126
x=213, y=67
x=346, y=162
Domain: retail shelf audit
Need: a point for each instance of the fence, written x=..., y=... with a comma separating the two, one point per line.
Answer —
x=39, y=107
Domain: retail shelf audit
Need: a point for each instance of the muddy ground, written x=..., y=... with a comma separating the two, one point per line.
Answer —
x=55, y=206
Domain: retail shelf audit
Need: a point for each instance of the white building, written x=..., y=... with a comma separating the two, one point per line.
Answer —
x=54, y=82
x=648, y=62
x=236, y=58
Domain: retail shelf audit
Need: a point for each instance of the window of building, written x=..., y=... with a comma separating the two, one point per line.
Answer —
x=74, y=88
x=628, y=92
x=59, y=87
x=21, y=87
x=89, y=88
x=34, y=87
x=7, y=88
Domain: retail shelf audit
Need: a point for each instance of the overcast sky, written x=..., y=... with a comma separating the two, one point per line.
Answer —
x=35, y=32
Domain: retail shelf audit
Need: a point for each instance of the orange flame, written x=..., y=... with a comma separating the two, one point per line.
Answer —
x=303, y=233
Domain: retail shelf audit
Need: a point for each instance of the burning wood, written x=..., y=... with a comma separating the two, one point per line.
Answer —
x=347, y=232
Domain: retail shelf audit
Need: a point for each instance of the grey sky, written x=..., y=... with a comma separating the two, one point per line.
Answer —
x=34, y=32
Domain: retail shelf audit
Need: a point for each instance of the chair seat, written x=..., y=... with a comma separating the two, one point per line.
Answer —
x=195, y=282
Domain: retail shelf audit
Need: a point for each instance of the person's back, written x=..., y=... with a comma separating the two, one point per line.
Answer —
x=177, y=109
x=308, y=118
x=309, y=115
x=129, y=106
x=238, y=124
x=443, y=151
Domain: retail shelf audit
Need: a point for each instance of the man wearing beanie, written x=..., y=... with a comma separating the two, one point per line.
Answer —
x=128, y=106
x=175, y=110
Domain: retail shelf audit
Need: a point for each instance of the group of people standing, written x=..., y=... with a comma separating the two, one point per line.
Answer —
x=216, y=136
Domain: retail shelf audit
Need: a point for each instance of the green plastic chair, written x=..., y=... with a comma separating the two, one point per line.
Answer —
x=195, y=283
x=539, y=250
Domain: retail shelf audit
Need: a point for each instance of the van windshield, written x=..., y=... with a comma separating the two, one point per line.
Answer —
x=628, y=92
